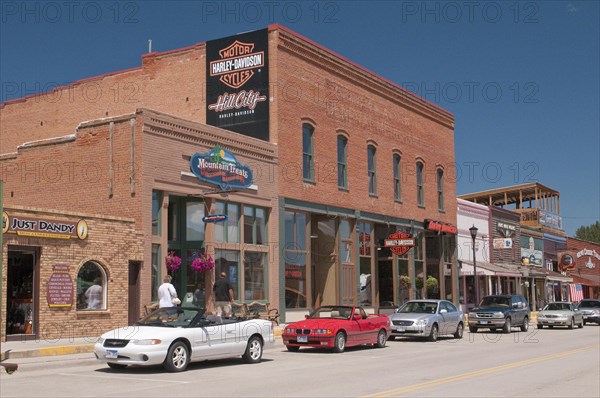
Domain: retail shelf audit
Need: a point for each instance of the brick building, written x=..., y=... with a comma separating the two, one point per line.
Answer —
x=341, y=159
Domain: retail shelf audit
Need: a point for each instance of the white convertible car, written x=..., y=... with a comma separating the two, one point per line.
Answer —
x=176, y=336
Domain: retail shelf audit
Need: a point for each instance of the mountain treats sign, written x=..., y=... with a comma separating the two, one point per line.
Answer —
x=237, y=89
x=220, y=167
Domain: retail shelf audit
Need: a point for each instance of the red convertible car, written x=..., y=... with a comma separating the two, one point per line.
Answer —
x=337, y=327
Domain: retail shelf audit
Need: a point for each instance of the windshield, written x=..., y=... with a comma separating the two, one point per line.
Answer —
x=332, y=312
x=557, y=307
x=495, y=301
x=172, y=317
x=419, y=307
x=590, y=304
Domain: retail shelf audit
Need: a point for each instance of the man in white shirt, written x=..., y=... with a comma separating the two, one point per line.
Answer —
x=94, y=295
x=166, y=293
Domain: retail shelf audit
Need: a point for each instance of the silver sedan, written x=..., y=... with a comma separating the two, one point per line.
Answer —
x=560, y=314
x=427, y=318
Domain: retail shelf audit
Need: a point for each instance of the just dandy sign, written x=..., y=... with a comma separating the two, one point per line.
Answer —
x=220, y=167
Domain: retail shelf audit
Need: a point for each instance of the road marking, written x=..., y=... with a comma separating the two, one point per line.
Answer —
x=476, y=373
x=124, y=378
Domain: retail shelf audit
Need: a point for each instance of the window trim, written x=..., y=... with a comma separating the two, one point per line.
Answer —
x=397, y=173
x=372, y=173
x=440, y=188
x=343, y=165
x=105, y=279
x=420, y=183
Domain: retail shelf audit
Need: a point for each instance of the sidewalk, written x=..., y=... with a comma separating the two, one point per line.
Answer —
x=69, y=346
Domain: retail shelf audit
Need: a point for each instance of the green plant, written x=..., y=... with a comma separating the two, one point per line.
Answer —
x=431, y=284
x=419, y=283
x=404, y=282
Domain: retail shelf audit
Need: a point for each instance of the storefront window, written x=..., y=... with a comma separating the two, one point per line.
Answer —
x=91, y=287
x=173, y=223
x=194, y=294
x=156, y=207
x=346, y=242
x=419, y=271
x=228, y=231
x=228, y=261
x=155, y=274
x=255, y=225
x=294, y=255
x=255, y=276
x=364, y=239
x=194, y=230
x=403, y=279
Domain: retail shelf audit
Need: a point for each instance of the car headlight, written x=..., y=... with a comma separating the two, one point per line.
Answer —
x=472, y=315
x=498, y=315
x=146, y=341
x=100, y=340
x=422, y=322
x=322, y=331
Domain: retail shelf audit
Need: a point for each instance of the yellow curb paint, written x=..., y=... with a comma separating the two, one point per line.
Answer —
x=50, y=351
x=482, y=372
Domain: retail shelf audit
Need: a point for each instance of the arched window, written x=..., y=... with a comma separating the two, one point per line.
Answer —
x=372, y=166
x=397, y=186
x=342, y=156
x=308, y=153
x=420, y=187
x=91, y=287
x=440, y=189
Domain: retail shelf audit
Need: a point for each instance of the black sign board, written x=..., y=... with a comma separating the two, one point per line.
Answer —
x=237, y=84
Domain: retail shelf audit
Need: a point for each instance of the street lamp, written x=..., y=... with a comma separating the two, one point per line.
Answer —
x=473, y=231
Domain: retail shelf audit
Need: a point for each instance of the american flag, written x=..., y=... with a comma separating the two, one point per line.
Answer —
x=576, y=292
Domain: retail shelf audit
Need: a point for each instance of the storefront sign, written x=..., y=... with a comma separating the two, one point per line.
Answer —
x=214, y=218
x=43, y=227
x=237, y=89
x=503, y=243
x=529, y=254
x=60, y=287
x=550, y=219
x=566, y=261
x=399, y=243
x=440, y=227
x=220, y=167
x=591, y=253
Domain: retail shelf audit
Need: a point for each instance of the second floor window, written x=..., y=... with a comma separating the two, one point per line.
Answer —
x=440, y=189
x=397, y=190
x=308, y=162
x=371, y=164
x=342, y=148
x=420, y=188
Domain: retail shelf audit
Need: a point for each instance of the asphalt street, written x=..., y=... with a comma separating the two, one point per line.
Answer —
x=537, y=363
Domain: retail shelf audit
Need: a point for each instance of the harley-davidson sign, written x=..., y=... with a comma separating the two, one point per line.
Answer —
x=237, y=89
x=399, y=242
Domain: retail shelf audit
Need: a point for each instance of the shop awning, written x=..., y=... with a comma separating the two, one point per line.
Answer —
x=586, y=279
x=485, y=268
x=556, y=277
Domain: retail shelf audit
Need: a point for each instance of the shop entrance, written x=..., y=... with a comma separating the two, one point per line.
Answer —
x=324, y=261
x=21, y=294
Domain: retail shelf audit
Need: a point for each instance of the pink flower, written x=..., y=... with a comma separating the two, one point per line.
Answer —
x=203, y=263
x=173, y=261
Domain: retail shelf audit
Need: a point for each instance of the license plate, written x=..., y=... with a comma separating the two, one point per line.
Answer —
x=111, y=354
x=550, y=321
x=400, y=330
x=484, y=322
x=302, y=339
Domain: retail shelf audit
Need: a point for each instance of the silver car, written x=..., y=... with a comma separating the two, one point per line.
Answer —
x=427, y=318
x=560, y=314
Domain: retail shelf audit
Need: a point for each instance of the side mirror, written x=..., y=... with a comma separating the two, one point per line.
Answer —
x=515, y=305
x=443, y=311
x=306, y=316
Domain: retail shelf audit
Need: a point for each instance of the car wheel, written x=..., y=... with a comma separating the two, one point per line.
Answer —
x=254, y=350
x=340, y=342
x=292, y=348
x=178, y=357
x=572, y=324
x=459, y=331
x=433, y=336
x=525, y=325
x=584, y=322
x=581, y=325
x=116, y=365
x=381, y=339
x=507, y=326
x=472, y=329
x=540, y=326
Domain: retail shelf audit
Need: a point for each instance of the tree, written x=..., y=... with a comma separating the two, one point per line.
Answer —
x=590, y=233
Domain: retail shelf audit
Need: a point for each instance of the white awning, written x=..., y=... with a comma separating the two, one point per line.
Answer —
x=467, y=270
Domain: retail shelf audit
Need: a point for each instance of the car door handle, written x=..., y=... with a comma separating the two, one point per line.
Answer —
x=230, y=331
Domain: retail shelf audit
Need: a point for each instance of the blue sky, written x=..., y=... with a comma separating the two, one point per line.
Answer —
x=521, y=78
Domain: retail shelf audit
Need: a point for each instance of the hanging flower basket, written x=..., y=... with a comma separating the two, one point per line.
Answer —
x=173, y=261
x=203, y=263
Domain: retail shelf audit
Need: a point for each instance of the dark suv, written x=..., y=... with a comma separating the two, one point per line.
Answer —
x=590, y=309
x=500, y=311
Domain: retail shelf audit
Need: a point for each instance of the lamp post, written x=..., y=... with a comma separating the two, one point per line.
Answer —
x=473, y=231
